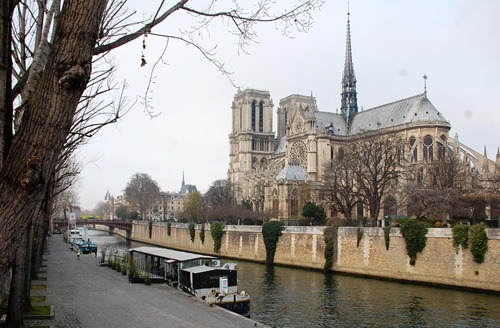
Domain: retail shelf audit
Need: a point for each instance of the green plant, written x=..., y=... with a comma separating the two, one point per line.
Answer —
x=103, y=255
x=271, y=231
x=478, y=242
x=330, y=238
x=217, y=230
x=387, y=237
x=414, y=234
x=202, y=234
x=132, y=268
x=360, y=233
x=192, y=232
x=460, y=236
x=147, y=274
x=169, y=228
x=150, y=228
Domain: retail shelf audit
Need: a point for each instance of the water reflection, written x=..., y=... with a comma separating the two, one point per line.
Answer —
x=287, y=297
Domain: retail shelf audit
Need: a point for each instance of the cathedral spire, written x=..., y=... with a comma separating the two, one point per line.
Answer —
x=349, y=103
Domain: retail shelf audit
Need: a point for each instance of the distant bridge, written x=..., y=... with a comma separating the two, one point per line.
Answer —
x=58, y=224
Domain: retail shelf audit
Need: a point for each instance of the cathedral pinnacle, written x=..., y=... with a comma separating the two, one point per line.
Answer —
x=349, y=103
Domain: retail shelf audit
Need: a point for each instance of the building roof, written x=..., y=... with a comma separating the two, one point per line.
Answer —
x=187, y=188
x=280, y=145
x=293, y=172
x=416, y=109
x=332, y=122
x=170, y=253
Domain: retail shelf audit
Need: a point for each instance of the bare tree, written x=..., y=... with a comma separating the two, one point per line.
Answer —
x=339, y=189
x=50, y=53
x=142, y=192
x=377, y=164
x=219, y=193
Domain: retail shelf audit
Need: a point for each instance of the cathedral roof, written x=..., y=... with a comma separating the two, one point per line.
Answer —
x=293, y=172
x=280, y=145
x=416, y=109
x=331, y=122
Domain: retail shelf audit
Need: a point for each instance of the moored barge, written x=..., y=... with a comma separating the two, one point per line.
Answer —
x=197, y=274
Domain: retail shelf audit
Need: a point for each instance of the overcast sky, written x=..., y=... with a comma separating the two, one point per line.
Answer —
x=394, y=43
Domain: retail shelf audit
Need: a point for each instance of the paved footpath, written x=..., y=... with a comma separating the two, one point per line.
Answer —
x=86, y=295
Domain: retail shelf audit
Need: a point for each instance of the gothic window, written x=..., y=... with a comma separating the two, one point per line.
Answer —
x=298, y=154
x=261, y=116
x=420, y=176
x=359, y=210
x=241, y=117
x=442, y=147
x=276, y=201
x=331, y=153
x=428, y=149
x=254, y=163
x=413, y=150
x=341, y=154
x=390, y=206
x=294, y=203
x=263, y=164
x=254, y=104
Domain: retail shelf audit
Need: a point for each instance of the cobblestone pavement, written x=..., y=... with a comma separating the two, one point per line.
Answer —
x=86, y=295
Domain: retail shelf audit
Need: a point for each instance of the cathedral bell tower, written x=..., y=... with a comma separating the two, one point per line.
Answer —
x=349, y=102
x=251, y=142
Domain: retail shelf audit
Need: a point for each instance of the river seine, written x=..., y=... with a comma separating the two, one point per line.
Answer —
x=286, y=297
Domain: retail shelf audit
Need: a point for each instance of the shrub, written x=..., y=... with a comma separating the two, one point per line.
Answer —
x=192, y=232
x=169, y=228
x=217, y=230
x=202, y=234
x=460, y=236
x=387, y=237
x=414, y=234
x=360, y=233
x=271, y=231
x=478, y=242
x=330, y=237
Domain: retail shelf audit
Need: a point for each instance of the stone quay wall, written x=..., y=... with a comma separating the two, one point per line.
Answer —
x=298, y=246
x=438, y=264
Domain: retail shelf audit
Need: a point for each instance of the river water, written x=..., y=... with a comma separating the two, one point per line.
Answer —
x=287, y=297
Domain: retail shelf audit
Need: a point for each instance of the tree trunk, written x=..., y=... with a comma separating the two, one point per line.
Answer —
x=30, y=163
x=6, y=107
x=18, y=287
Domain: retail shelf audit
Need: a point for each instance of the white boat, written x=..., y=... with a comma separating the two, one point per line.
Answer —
x=73, y=235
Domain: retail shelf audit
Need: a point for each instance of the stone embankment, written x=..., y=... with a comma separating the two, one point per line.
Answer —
x=86, y=295
x=439, y=263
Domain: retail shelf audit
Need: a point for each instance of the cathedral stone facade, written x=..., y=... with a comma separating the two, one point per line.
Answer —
x=271, y=170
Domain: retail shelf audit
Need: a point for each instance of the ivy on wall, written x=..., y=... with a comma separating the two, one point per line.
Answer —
x=387, y=237
x=478, y=242
x=217, y=230
x=192, y=232
x=359, y=234
x=460, y=236
x=202, y=234
x=169, y=228
x=414, y=235
x=271, y=231
x=330, y=238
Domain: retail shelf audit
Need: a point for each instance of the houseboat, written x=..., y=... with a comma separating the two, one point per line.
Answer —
x=197, y=274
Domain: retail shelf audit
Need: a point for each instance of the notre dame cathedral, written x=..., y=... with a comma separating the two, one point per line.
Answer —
x=268, y=169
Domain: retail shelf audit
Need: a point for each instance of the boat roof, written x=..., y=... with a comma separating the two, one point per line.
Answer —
x=170, y=254
x=203, y=268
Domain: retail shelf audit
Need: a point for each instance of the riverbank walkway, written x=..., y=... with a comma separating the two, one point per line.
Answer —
x=86, y=295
